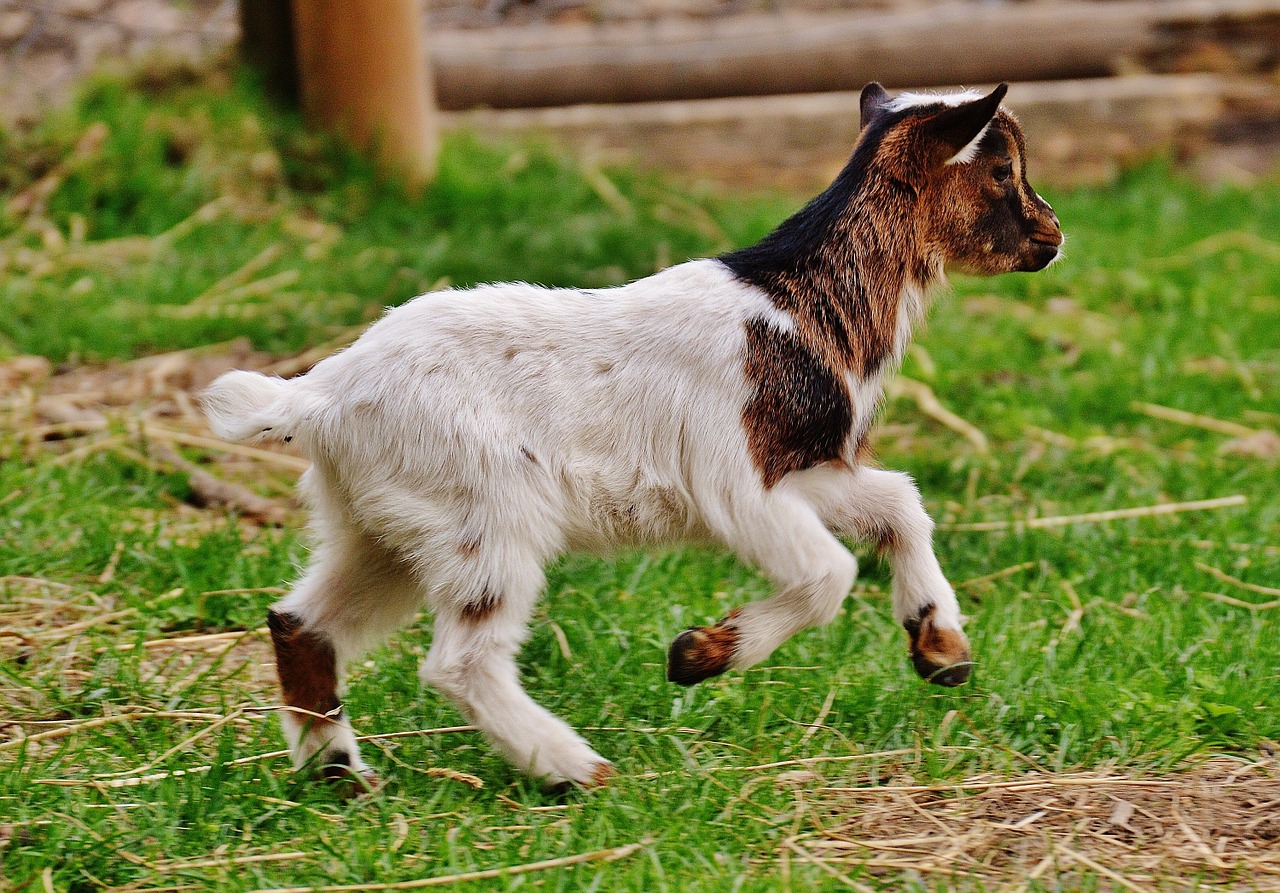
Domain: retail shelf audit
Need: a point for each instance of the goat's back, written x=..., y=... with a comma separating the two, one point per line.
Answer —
x=612, y=414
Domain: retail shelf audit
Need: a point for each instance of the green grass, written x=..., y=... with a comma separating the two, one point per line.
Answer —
x=1155, y=672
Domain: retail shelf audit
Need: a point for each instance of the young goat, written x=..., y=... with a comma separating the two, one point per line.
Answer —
x=471, y=436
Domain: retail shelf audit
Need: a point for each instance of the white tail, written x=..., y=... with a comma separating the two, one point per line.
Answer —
x=244, y=405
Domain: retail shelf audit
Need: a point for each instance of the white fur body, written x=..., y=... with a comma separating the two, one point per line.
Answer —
x=471, y=436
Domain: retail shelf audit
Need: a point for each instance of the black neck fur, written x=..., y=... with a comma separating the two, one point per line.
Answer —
x=812, y=237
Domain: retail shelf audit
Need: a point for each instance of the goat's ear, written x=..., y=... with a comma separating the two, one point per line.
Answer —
x=873, y=96
x=957, y=129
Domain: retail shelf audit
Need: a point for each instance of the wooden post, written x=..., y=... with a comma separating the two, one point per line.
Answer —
x=363, y=73
x=266, y=41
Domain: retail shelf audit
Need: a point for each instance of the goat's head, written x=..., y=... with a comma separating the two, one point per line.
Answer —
x=964, y=158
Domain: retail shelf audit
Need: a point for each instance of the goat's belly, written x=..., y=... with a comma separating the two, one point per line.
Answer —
x=603, y=515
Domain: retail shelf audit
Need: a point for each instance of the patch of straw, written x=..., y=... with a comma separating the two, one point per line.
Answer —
x=1132, y=831
x=1235, y=581
x=1148, y=511
x=928, y=403
x=1181, y=417
x=609, y=855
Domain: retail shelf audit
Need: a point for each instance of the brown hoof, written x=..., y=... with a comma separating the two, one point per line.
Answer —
x=600, y=777
x=940, y=656
x=700, y=653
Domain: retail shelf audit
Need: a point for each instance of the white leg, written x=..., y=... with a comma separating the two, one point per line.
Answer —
x=812, y=573
x=478, y=631
x=884, y=508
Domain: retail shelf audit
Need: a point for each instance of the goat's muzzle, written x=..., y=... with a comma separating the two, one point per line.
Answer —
x=1042, y=249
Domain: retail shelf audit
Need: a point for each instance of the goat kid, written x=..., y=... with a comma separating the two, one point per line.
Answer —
x=470, y=436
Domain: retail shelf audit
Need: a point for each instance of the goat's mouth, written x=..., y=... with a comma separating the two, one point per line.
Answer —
x=1040, y=253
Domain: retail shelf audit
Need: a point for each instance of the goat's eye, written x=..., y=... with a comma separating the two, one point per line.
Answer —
x=1003, y=172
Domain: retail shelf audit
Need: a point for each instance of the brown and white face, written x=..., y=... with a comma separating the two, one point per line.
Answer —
x=966, y=157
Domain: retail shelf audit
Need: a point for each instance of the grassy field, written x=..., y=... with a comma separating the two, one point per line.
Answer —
x=137, y=746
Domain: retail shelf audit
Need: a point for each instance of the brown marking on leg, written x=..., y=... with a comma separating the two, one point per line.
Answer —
x=528, y=454
x=482, y=607
x=601, y=775
x=469, y=547
x=308, y=671
x=701, y=652
x=307, y=667
x=939, y=655
x=883, y=537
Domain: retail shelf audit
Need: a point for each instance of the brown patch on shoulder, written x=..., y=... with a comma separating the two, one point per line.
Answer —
x=469, y=547
x=800, y=414
x=940, y=656
x=482, y=607
x=528, y=454
x=702, y=652
x=845, y=305
x=306, y=665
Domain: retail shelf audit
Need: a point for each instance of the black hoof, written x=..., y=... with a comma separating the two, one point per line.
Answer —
x=950, y=676
x=700, y=653
x=348, y=782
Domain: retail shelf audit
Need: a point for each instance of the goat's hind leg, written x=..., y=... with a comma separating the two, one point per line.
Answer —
x=354, y=595
x=478, y=631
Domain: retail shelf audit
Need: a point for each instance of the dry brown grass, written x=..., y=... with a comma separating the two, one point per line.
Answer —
x=147, y=412
x=1214, y=823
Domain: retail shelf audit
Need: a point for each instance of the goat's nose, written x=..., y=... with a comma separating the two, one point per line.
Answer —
x=1048, y=233
x=1048, y=209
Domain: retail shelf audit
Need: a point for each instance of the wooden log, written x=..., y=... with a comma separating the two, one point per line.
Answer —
x=363, y=72
x=757, y=55
x=1078, y=131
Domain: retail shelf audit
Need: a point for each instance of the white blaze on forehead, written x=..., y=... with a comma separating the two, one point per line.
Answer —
x=921, y=100
x=916, y=100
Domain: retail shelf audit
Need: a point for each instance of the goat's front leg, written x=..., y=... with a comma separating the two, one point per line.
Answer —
x=812, y=573
x=884, y=507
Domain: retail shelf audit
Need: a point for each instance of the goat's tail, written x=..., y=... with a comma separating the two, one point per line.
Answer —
x=248, y=405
